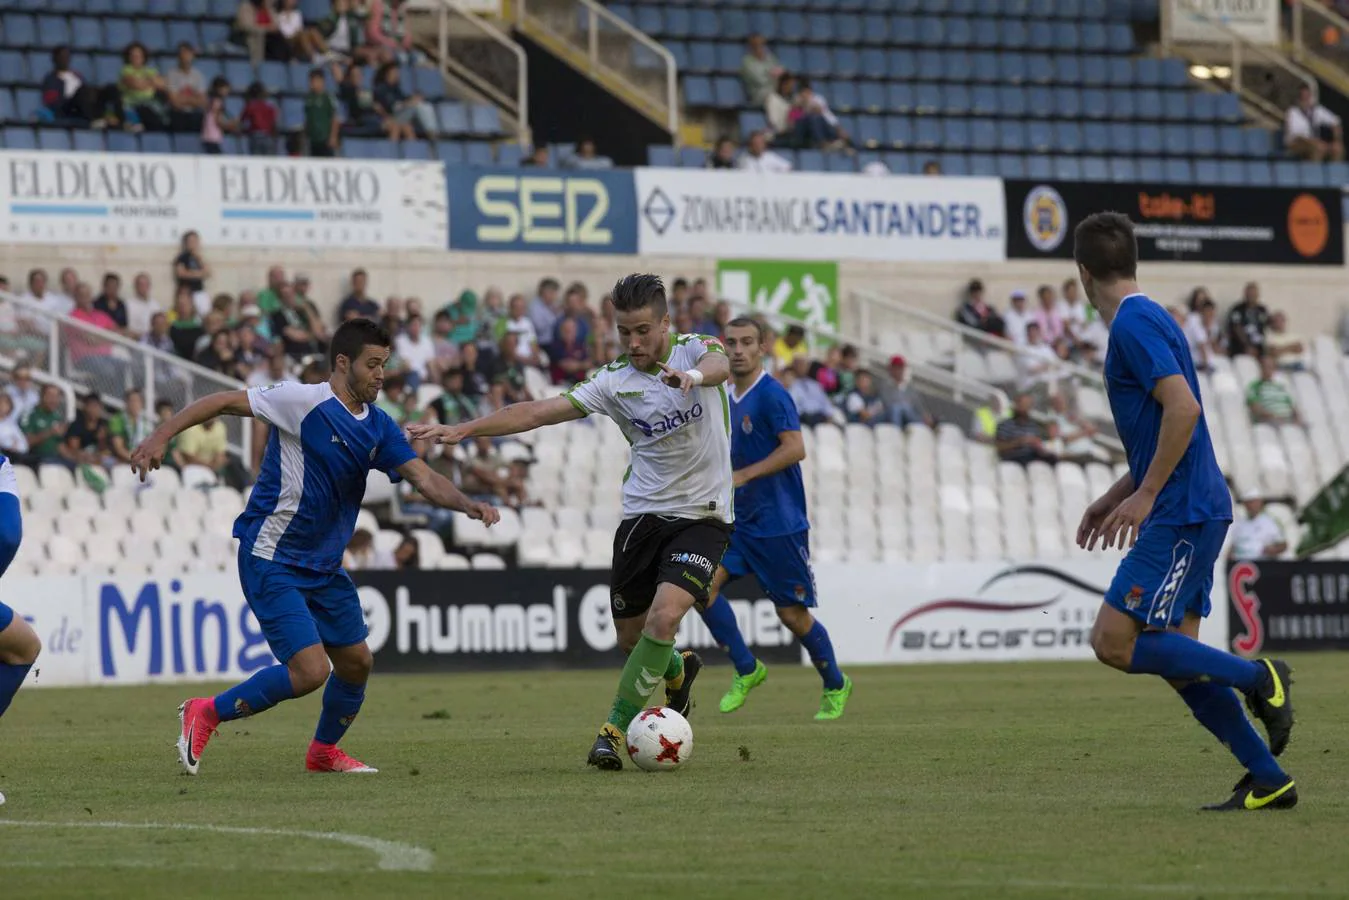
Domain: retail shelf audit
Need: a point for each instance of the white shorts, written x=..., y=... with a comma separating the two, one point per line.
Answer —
x=8, y=483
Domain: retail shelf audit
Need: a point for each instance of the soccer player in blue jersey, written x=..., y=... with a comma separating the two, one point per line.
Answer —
x=19, y=644
x=324, y=440
x=772, y=535
x=1172, y=510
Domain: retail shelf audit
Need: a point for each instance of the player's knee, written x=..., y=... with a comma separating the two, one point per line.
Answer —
x=1112, y=648
x=798, y=619
x=21, y=645
x=308, y=671
x=354, y=664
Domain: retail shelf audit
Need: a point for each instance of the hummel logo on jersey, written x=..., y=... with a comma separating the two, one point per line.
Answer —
x=628, y=395
x=670, y=422
x=338, y=440
x=646, y=681
x=692, y=559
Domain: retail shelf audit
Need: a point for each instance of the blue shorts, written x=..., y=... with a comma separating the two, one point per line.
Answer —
x=781, y=564
x=6, y=616
x=1168, y=573
x=298, y=608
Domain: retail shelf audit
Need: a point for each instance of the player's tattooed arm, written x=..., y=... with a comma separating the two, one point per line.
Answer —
x=150, y=454
x=514, y=419
x=442, y=492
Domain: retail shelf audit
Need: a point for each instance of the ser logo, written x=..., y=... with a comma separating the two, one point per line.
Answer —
x=542, y=210
x=669, y=422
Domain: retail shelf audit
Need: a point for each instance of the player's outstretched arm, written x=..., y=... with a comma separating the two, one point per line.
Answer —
x=150, y=454
x=513, y=419
x=442, y=492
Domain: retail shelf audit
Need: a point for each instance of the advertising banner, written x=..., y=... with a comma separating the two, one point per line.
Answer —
x=703, y=212
x=803, y=291
x=59, y=619
x=1182, y=222
x=1192, y=21
x=528, y=618
x=542, y=211
x=96, y=198
x=1280, y=606
x=1325, y=517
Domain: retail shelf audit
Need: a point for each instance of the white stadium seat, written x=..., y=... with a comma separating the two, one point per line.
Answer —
x=430, y=547
x=452, y=561
x=56, y=478
x=488, y=561
x=387, y=540
x=195, y=476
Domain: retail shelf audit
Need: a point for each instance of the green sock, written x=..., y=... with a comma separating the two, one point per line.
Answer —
x=641, y=676
x=674, y=672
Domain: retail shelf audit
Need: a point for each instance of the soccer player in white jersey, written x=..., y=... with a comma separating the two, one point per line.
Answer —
x=668, y=396
x=325, y=438
x=19, y=644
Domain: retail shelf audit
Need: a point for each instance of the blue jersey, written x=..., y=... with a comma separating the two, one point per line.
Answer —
x=1146, y=345
x=774, y=505
x=303, y=508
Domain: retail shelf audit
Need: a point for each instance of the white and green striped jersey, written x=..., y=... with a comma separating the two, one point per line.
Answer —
x=680, y=464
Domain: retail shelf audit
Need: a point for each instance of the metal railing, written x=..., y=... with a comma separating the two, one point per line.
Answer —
x=1320, y=39
x=631, y=65
x=477, y=54
x=74, y=353
x=1261, y=76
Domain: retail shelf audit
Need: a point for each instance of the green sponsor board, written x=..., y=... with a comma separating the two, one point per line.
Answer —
x=805, y=292
x=1326, y=517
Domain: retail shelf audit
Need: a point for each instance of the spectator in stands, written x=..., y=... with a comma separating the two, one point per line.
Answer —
x=703, y=323
x=1038, y=361
x=863, y=403
x=544, y=310
x=569, y=356
x=508, y=376
x=1288, y=348
x=362, y=555
x=521, y=325
x=586, y=157
x=185, y=325
x=86, y=438
x=321, y=121
x=683, y=322
x=463, y=315
x=344, y=34
x=486, y=475
x=778, y=107
x=273, y=372
x=417, y=352
x=49, y=301
x=190, y=271
x=256, y=27
x=1268, y=400
x=1258, y=536
x=1020, y=438
x=186, y=88
x=903, y=406
x=45, y=425
x=304, y=43
x=576, y=306
x=269, y=298
x=214, y=122
x=537, y=158
x=1048, y=316
x=975, y=313
x=110, y=302
x=363, y=117
x=679, y=293
x=759, y=70
x=453, y=405
x=791, y=345
x=22, y=391
x=723, y=156
x=141, y=88
x=129, y=427
x=68, y=279
x=159, y=336
x=205, y=445
x=721, y=317
x=397, y=399
x=66, y=95
x=1246, y=323
x=814, y=125
x=1073, y=433
x=300, y=330
x=140, y=307
x=1073, y=310
x=251, y=337
x=13, y=442
x=90, y=353
x=259, y=120
x=1312, y=132
x=758, y=158
x=409, y=112
x=219, y=356
x=386, y=29
x=812, y=403
x=1018, y=318
x=358, y=304
x=1200, y=331
x=477, y=384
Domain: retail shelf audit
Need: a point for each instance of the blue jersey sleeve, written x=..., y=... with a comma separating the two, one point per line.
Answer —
x=1144, y=350
x=781, y=412
x=393, y=450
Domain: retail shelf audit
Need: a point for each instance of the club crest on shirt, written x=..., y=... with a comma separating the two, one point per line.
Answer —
x=746, y=426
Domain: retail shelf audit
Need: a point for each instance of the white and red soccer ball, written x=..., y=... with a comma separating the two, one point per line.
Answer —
x=659, y=738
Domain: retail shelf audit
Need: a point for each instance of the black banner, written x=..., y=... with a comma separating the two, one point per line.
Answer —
x=455, y=621
x=1182, y=222
x=1282, y=606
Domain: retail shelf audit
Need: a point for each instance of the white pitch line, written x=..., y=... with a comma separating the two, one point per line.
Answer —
x=393, y=856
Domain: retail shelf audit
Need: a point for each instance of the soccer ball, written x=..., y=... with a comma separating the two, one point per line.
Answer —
x=659, y=738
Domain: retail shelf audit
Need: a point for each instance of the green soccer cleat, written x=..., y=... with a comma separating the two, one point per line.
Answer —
x=832, y=702
x=741, y=685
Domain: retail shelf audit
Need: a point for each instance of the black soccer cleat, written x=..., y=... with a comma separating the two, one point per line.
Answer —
x=1247, y=796
x=607, y=753
x=1272, y=703
x=681, y=700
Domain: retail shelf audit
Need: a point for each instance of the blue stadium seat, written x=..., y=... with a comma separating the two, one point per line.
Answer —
x=292, y=113
x=1286, y=173
x=1257, y=141
x=1040, y=68
x=1039, y=102
x=734, y=25
x=1040, y=136
x=1095, y=9
x=239, y=73
x=1125, y=104
x=1203, y=140
x=187, y=143
x=1066, y=9
x=1206, y=172
x=1175, y=140
x=1150, y=139
x=955, y=134
x=953, y=164
x=1123, y=169
x=956, y=100
x=1148, y=71
x=1203, y=107
x=1012, y=101
x=706, y=24
x=52, y=31
x=118, y=33
x=453, y=117
x=123, y=142
x=1012, y=34
x=365, y=148
x=984, y=165
x=927, y=133
x=728, y=92
x=984, y=100
x=507, y=154
x=692, y=157
x=476, y=153
x=7, y=112
x=1120, y=72
x=875, y=29
x=1176, y=106
x=1229, y=108
x=275, y=76
x=985, y=34
x=702, y=57
x=900, y=97
x=661, y=156
x=1012, y=136
x=86, y=141
x=959, y=32
x=928, y=98
x=819, y=62
x=899, y=131
x=1231, y=140
x=1174, y=73
x=984, y=68
x=155, y=142
x=1231, y=171
x=899, y=163
x=1179, y=171
x=1150, y=169
x=930, y=66
x=153, y=34
x=57, y=139
x=1314, y=175
x=698, y=91
x=27, y=101
x=1258, y=172
x=484, y=119
x=957, y=65
x=752, y=120
x=12, y=68
x=1123, y=137
x=1040, y=168
x=1067, y=103
x=19, y=30
x=19, y=137
x=199, y=9
x=728, y=58
x=86, y=34
x=183, y=32
x=820, y=28
x=904, y=31
x=1067, y=168
x=1068, y=137
x=791, y=27
x=1095, y=73
x=1095, y=103
x=839, y=162
x=678, y=23
x=415, y=150
x=848, y=96
x=1337, y=174
x=847, y=63
x=810, y=160
x=869, y=131
x=1096, y=138
x=931, y=31
x=652, y=21
x=1067, y=69
x=1060, y=36
x=1013, y=68
x=1116, y=38
x=1011, y=165
x=1094, y=168
x=793, y=58
x=900, y=65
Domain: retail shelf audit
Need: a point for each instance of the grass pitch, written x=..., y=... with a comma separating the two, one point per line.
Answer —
x=1044, y=781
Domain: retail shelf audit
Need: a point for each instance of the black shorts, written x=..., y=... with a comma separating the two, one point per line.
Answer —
x=651, y=549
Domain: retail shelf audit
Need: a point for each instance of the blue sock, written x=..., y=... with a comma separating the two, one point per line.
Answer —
x=11, y=676
x=821, y=650
x=1173, y=655
x=1218, y=709
x=341, y=701
x=265, y=689
x=720, y=620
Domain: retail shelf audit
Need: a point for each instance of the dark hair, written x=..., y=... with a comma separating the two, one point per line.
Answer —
x=57, y=51
x=636, y=292
x=126, y=54
x=160, y=404
x=1105, y=245
x=354, y=336
x=93, y=396
x=317, y=73
x=218, y=84
x=679, y=283
x=186, y=45
x=355, y=272
x=256, y=91
x=803, y=84
x=748, y=322
x=383, y=71
x=182, y=242
x=549, y=283
x=111, y=276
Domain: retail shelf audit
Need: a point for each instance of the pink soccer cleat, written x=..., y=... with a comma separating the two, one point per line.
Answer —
x=331, y=758
x=199, y=723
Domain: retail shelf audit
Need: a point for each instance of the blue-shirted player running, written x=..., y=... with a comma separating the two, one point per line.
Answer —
x=324, y=440
x=772, y=534
x=19, y=644
x=1172, y=511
